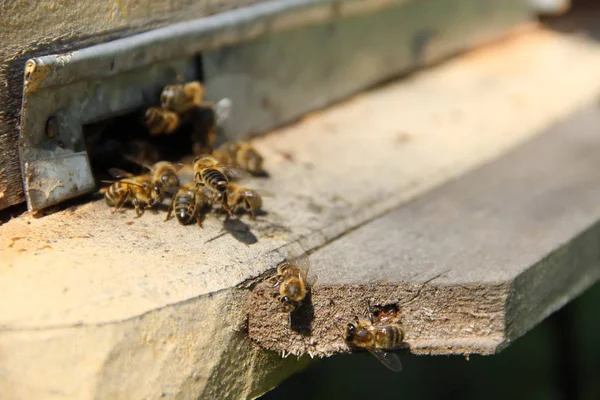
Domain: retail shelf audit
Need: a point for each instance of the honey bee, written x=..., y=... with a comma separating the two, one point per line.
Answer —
x=242, y=198
x=242, y=155
x=207, y=118
x=291, y=279
x=182, y=98
x=204, y=128
x=187, y=203
x=377, y=339
x=160, y=121
x=211, y=174
x=141, y=191
x=166, y=173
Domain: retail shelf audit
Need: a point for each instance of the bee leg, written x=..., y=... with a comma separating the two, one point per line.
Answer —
x=122, y=201
x=170, y=210
x=139, y=209
x=199, y=220
x=225, y=204
x=250, y=210
x=277, y=283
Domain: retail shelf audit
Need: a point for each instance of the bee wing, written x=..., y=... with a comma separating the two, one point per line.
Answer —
x=135, y=161
x=186, y=174
x=119, y=173
x=264, y=193
x=311, y=280
x=223, y=110
x=255, y=192
x=302, y=261
x=126, y=181
x=132, y=183
x=235, y=173
x=390, y=360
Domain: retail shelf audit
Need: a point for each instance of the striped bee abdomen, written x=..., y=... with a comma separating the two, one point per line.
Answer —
x=185, y=208
x=215, y=179
x=113, y=193
x=389, y=337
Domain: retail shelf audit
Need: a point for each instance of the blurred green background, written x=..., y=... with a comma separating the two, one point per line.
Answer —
x=559, y=359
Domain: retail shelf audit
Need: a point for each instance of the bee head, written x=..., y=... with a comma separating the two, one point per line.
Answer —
x=350, y=333
x=288, y=304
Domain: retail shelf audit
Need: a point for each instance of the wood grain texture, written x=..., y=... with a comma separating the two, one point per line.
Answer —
x=108, y=293
x=507, y=245
x=397, y=42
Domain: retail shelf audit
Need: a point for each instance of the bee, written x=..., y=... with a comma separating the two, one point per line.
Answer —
x=208, y=117
x=182, y=98
x=166, y=173
x=291, y=279
x=160, y=121
x=141, y=191
x=204, y=128
x=210, y=174
x=242, y=198
x=242, y=155
x=187, y=203
x=377, y=339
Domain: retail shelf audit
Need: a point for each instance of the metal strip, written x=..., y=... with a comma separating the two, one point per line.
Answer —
x=324, y=50
x=184, y=39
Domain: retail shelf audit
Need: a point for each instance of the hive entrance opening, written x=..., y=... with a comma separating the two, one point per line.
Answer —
x=125, y=142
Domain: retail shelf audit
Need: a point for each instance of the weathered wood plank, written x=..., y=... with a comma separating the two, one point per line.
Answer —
x=154, y=297
x=511, y=243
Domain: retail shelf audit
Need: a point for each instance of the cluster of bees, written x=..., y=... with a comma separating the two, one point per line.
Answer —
x=207, y=181
x=379, y=334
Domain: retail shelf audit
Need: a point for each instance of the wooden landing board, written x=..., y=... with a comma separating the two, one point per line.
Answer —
x=100, y=295
x=501, y=247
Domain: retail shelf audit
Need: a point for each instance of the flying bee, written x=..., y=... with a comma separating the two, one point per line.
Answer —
x=291, y=279
x=141, y=191
x=377, y=339
x=182, y=98
x=160, y=121
x=211, y=174
x=187, y=203
x=242, y=155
